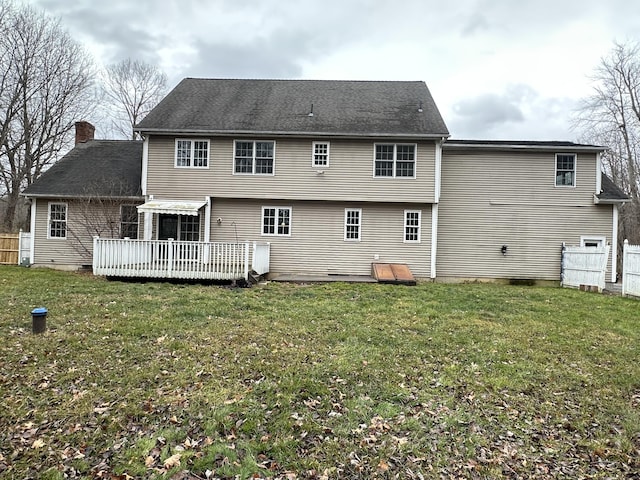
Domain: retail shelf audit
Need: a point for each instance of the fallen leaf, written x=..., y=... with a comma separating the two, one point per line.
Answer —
x=37, y=444
x=172, y=461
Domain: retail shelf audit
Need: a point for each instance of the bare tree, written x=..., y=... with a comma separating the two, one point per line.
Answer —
x=132, y=88
x=102, y=210
x=45, y=86
x=611, y=117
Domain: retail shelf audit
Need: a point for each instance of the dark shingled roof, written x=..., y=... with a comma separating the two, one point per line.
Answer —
x=351, y=108
x=515, y=144
x=610, y=192
x=95, y=168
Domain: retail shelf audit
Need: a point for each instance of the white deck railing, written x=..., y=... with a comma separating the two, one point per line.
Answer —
x=171, y=259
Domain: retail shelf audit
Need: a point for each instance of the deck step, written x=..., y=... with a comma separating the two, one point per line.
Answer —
x=392, y=273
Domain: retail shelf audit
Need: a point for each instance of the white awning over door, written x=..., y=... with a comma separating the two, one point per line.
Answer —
x=172, y=207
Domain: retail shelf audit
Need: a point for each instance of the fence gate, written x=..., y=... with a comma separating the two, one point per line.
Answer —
x=9, y=248
x=584, y=266
x=631, y=269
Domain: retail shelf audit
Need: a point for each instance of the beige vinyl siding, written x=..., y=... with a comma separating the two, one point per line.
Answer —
x=490, y=199
x=317, y=245
x=349, y=176
x=76, y=249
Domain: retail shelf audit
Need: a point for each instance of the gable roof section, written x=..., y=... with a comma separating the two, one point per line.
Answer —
x=96, y=168
x=283, y=107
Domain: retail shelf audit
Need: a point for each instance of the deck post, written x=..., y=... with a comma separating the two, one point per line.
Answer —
x=170, y=257
x=96, y=254
x=246, y=260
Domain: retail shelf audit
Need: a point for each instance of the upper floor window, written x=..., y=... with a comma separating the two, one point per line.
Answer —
x=320, y=154
x=276, y=221
x=192, y=153
x=255, y=158
x=565, y=170
x=57, y=216
x=395, y=160
x=352, y=223
x=128, y=221
x=412, y=220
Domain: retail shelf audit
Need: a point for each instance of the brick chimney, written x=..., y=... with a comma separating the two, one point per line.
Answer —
x=84, y=132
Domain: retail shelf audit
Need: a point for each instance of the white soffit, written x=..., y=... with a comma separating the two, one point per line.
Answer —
x=171, y=207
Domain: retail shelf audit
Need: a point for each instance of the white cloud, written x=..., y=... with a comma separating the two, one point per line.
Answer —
x=471, y=52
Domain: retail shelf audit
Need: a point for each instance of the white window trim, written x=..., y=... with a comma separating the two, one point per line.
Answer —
x=192, y=140
x=66, y=221
x=593, y=238
x=346, y=213
x=404, y=233
x=276, y=234
x=313, y=155
x=253, y=163
x=575, y=169
x=395, y=159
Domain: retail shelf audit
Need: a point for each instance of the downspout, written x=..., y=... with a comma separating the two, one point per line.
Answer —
x=145, y=165
x=207, y=220
x=32, y=247
x=598, y=173
x=148, y=217
x=434, y=207
x=614, y=245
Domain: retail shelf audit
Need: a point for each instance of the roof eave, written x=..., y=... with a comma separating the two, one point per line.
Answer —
x=81, y=197
x=531, y=146
x=275, y=133
x=608, y=201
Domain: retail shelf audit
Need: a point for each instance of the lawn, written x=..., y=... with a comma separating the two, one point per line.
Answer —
x=161, y=380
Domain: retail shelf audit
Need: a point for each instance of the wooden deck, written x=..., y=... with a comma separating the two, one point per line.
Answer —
x=178, y=259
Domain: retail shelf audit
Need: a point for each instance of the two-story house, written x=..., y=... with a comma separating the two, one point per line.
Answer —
x=331, y=175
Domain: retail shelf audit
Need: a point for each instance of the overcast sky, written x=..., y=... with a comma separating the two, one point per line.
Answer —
x=497, y=69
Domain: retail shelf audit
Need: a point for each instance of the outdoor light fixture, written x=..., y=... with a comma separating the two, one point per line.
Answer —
x=504, y=249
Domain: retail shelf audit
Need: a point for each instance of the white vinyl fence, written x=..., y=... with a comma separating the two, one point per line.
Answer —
x=584, y=266
x=24, y=249
x=631, y=269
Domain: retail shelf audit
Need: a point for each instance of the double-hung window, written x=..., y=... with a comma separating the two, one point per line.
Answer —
x=192, y=153
x=57, y=216
x=565, y=170
x=128, y=221
x=394, y=160
x=320, y=154
x=412, y=225
x=352, y=224
x=253, y=157
x=276, y=221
